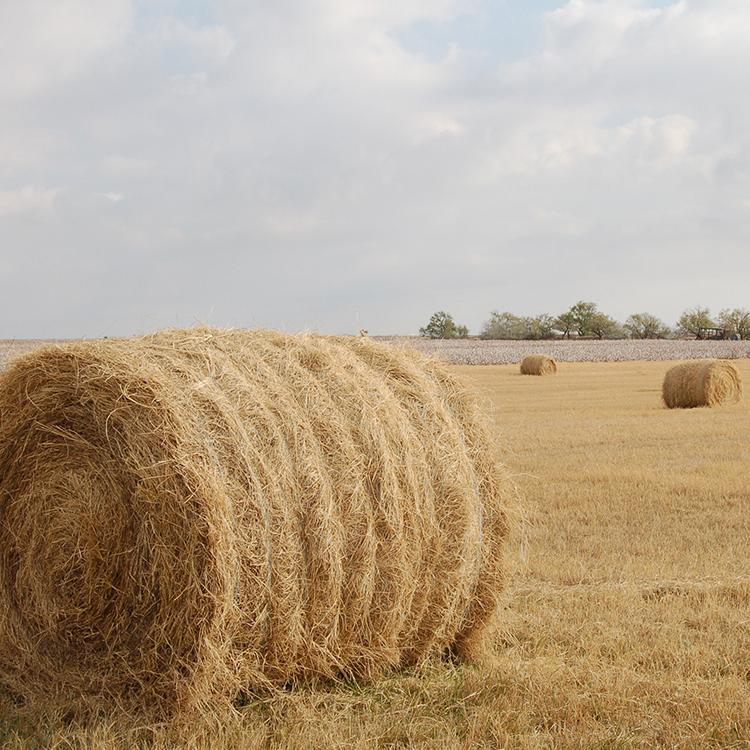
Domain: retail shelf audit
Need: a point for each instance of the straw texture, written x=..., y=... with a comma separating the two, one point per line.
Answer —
x=708, y=383
x=197, y=513
x=538, y=364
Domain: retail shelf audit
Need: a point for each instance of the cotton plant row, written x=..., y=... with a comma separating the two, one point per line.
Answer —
x=478, y=352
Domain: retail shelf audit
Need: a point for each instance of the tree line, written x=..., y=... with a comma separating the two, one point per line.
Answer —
x=586, y=320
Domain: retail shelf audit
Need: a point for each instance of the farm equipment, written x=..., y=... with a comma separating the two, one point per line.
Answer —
x=714, y=333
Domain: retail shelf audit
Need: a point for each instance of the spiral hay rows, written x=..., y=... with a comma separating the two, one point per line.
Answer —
x=538, y=364
x=708, y=383
x=198, y=513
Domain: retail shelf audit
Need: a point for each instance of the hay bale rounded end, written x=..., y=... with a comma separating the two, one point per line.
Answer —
x=538, y=364
x=193, y=514
x=702, y=383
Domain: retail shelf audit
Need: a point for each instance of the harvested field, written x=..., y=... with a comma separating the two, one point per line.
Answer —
x=627, y=621
x=477, y=352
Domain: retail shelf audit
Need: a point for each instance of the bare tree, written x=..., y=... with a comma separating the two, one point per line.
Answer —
x=736, y=321
x=646, y=326
x=694, y=320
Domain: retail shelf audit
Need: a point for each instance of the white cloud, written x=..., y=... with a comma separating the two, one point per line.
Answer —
x=22, y=148
x=205, y=46
x=27, y=200
x=43, y=42
x=659, y=140
x=126, y=166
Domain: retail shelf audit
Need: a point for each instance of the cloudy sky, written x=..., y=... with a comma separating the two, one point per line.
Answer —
x=338, y=164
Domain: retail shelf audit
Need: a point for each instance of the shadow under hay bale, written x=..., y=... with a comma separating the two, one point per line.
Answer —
x=706, y=383
x=538, y=364
x=200, y=512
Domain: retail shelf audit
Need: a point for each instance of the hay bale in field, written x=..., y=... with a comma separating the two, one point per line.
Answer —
x=538, y=364
x=703, y=383
x=196, y=513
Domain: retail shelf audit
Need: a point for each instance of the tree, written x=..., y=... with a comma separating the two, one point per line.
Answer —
x=503, y=325
x=603, y=327
x=539, y=327
x=736, y=321
x=566, y=323
x=646, y=326
x=583, y=313
x=442, y=326
x=693, y=320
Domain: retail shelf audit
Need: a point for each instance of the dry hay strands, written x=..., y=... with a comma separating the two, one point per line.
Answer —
x=198, y=513
x=702, y=383
x=538, y=364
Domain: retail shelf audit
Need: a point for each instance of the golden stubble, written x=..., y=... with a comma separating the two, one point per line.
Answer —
x=627, y=618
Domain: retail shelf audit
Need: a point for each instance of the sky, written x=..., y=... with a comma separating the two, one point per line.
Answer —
x=344, y=164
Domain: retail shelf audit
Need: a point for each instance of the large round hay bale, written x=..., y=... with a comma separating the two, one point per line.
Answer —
x=703, y=383
x=538, y=364
x=196, y=513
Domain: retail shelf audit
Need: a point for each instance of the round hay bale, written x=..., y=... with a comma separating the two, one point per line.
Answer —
x=703, y=383
x=538, y=364
x=198, y=513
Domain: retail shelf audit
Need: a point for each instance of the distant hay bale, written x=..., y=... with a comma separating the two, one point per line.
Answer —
x=538, y=364
x=703, y=383
x=193, y=514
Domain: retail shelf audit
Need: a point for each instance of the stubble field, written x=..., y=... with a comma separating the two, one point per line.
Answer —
x=627, y=621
